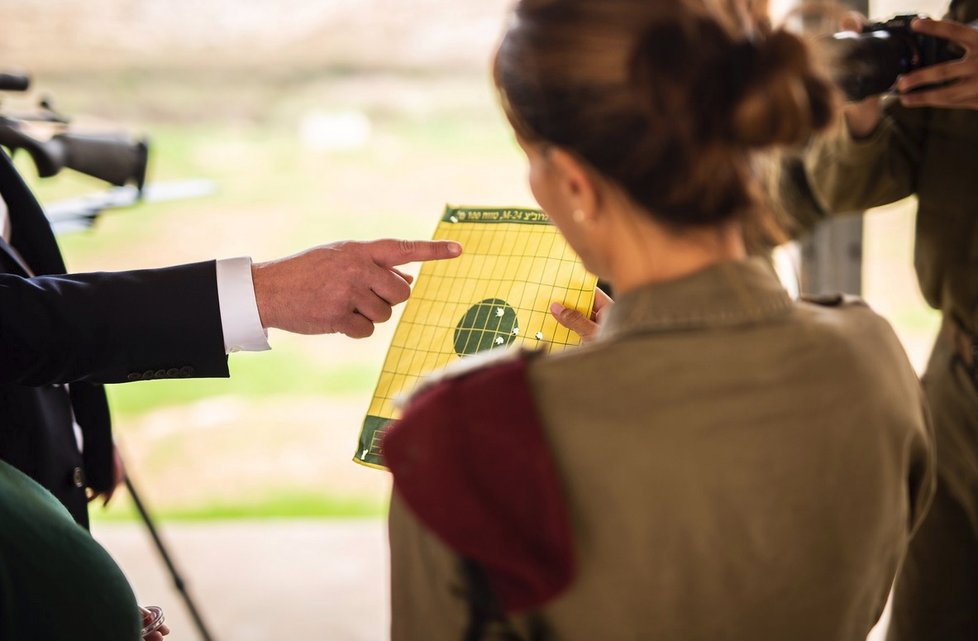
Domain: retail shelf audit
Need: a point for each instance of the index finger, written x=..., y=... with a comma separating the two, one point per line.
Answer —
x=954, y=96
x=389, y=252
x=956, y=32
x=935, y=74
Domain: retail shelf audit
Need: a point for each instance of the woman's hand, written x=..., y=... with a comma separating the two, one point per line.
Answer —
x=961, y=75
x=575, y=321
x=159, y=633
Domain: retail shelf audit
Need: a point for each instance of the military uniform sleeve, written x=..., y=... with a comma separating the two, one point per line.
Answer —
x=847, y=175
x=922, y=470
x=427, y=587
x=111, y=327
x=797, y=209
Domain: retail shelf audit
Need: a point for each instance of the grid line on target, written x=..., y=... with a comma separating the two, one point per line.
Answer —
x=496, y=294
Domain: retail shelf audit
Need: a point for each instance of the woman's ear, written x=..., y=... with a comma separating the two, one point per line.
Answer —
x=574, y=182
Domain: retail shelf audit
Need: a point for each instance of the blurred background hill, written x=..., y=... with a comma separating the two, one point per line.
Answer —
x=121, y=34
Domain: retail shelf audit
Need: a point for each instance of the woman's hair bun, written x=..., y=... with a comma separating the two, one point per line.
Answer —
x=682, y=70
x=784, y=98
x=667, y=98
x=728, y=88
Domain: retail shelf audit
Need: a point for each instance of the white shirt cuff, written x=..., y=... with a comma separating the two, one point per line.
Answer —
x=239, y=309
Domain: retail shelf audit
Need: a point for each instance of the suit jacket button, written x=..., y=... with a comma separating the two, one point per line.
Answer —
x=173, y=372
x=78, y=477
x=160, y=373
x=134, y=376
x=186, y=371
x=148, y=375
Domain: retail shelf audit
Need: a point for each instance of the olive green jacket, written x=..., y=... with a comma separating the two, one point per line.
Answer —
x=56, y=582
x=735, y=465
x=925, y=152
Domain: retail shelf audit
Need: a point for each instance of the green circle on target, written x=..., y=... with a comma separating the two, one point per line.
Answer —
x=487, y=324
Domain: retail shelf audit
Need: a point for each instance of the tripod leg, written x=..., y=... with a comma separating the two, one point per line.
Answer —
x=178, y=581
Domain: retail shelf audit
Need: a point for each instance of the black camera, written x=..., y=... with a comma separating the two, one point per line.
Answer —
x=869, y=63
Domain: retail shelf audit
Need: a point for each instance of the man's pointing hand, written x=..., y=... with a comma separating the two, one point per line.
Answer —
x=343, y=287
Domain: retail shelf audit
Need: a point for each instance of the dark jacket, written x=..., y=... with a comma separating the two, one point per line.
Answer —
x=84, y=330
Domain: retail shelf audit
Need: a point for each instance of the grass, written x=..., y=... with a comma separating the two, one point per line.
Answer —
x=282, y=371
x=281, y=505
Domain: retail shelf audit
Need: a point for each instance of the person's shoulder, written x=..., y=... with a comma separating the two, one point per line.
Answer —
x=476, y=393
x=18, y=492
x=843, y=315
x=491, y=365
x=470, y=454
x=852, y=332
x=581, y=364
x=837, y=299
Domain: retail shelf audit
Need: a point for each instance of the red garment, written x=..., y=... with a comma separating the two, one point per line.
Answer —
x=470, y=459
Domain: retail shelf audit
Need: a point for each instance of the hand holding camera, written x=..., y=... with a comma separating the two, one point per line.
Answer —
x=928, y=63
x=871, y=57
x=955, y=82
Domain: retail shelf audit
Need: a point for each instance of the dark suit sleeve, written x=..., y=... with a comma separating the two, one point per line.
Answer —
x=111, y=327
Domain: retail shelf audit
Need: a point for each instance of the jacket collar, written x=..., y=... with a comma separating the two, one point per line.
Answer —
x=727, y=294
x=11, y=258
x=30, y=231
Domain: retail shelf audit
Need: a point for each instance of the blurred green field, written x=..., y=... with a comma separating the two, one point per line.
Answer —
x=275, y=440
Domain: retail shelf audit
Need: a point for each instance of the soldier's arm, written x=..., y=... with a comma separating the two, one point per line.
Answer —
x=856, y=166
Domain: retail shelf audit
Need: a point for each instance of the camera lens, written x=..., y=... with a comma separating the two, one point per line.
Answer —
x=868, y=64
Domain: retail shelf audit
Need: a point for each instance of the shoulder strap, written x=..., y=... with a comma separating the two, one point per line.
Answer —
x=472, y=462
x=30, y=231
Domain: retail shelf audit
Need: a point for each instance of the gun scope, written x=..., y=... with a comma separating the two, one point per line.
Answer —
x=14, y=81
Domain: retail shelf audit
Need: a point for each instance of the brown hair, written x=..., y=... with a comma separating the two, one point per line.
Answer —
x=670, y=99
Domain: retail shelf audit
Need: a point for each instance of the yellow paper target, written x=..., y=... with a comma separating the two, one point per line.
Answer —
x=497, y=293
